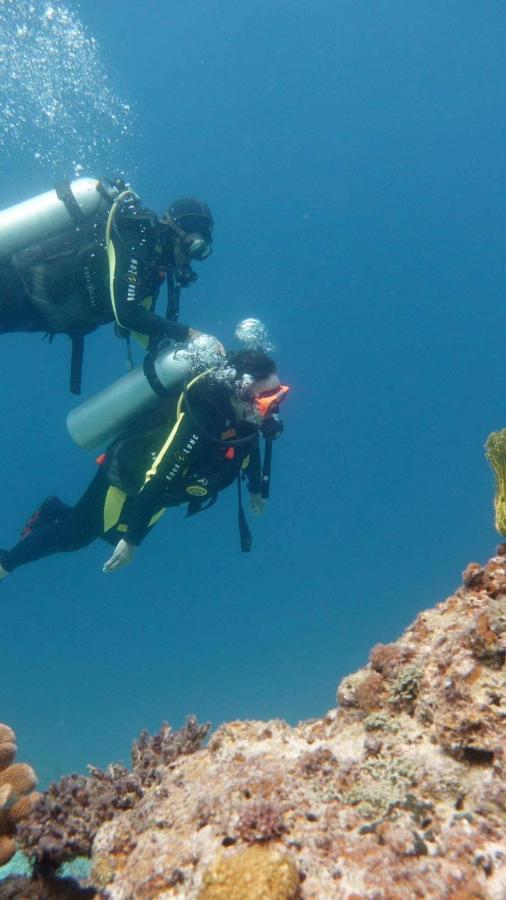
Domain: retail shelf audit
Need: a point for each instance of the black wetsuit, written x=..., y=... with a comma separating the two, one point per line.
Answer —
x=151, y=468
x=69, y=284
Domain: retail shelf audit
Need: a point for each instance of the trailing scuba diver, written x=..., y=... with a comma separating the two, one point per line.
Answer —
x=193, y=445
x=88, y=253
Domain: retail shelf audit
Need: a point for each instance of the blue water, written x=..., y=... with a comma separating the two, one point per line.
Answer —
x=354, y=156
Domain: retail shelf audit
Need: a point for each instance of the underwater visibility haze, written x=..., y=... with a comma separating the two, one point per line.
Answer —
x=354, y=157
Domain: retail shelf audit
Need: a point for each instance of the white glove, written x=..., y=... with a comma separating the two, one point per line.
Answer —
x=123, y=554
x=257, y=504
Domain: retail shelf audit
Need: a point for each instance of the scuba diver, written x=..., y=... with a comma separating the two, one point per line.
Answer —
x=88, y=253
x=194, y=445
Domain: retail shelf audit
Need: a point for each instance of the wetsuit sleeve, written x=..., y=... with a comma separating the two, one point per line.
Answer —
x=164, y=475
x=254, y=470
x=132, y=275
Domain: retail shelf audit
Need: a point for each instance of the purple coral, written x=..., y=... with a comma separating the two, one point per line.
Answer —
x=260, y=822
x=65, y=820
x=150, y=752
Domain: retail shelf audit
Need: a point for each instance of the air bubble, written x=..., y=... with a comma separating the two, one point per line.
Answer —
x=67, y=105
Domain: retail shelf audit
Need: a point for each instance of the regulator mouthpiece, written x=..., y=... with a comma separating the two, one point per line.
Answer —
x=253, y=333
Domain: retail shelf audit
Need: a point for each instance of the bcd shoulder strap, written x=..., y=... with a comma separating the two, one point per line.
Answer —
x=64, y=193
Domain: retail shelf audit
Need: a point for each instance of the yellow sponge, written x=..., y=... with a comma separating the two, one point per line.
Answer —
x=495, y=451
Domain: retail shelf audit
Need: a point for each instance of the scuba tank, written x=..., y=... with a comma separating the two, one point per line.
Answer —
x=48, y=214
x=100, y=418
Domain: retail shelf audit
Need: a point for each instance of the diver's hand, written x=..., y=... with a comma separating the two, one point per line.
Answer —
x=123, y=554
x=257, y=504
x=193, y=334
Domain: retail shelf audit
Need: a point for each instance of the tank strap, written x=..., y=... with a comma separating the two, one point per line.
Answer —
x=148, y=366
x=64, y=193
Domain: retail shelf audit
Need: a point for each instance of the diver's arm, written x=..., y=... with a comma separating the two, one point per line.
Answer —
x=131, y=252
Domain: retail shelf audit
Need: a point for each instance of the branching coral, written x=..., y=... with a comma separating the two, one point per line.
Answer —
x=260, y=822
x=17, y=781
x=66, y=818
x=151, y=751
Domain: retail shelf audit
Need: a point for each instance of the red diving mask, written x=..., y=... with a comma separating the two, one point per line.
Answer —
x=266, y=402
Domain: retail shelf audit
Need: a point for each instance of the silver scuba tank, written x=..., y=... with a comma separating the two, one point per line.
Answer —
x=47, y=214
x=100, y=418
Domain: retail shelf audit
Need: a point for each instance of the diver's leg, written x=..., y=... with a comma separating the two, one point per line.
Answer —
x=82, y=525
x=17, y=313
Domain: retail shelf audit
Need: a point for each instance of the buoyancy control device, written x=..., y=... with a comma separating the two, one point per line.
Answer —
x=46, y=215
x=99, y=419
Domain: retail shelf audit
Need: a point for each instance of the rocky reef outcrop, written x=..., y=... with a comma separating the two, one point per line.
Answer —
x=399, y=793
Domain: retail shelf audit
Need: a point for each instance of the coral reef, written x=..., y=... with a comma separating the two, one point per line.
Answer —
x=17, y=781
x=398, y=794
x=67, y=816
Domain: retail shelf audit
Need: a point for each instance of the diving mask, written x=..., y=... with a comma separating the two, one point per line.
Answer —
x=193, y=244
x=267, y=402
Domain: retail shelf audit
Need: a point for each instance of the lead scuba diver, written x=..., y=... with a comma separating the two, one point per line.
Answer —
x=98, y=256
x=194, y=445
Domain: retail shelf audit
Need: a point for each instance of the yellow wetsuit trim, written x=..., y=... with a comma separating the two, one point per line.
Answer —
x=152, y=521
x=157, y=515
x=143, y=339
x=123, y=528
x=113, y=507
x=179, y=418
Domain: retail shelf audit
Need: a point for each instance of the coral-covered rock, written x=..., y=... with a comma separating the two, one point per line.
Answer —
x=64, y=821
x=399, y=794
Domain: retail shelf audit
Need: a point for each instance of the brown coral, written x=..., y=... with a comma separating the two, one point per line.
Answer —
x=17, y=781
x=255, y=873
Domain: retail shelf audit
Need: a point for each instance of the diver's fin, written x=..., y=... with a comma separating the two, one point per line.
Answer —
x=51, y=510
x=495, y=451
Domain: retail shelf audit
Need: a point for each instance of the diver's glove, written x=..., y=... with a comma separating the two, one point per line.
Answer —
x=123, y=554
x=257, y=504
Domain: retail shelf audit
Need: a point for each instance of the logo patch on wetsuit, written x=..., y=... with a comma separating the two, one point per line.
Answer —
x=131, y=278
x=196, y=490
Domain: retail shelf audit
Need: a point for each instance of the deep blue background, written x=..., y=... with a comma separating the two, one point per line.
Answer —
x=354, y=156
